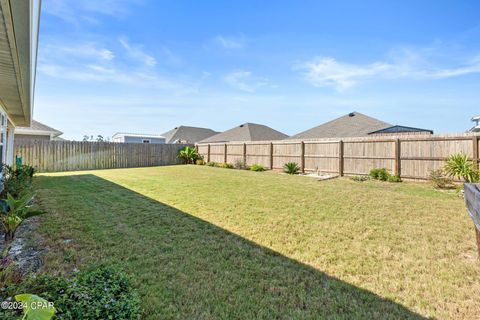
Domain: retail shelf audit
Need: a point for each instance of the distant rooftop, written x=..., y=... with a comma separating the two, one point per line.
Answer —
x=247, y=132
x=476, y=128
x=188, y=134
x=401, y=129
x=38, y=128
x=139, y=135
x=354, y=124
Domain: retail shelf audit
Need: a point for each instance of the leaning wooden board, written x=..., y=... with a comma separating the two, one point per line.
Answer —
x=472, y=200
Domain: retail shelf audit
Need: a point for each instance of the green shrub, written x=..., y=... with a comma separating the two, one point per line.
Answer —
x=200, y=162
x=189, y=155
x=379, y=174
x=440, y=180
x=17, y=180
x=291, y=168
x=98, y=293
x=257, y=167
x=460, y=167
x=13, y=212
x=360, y=178
x=225, y=165
x=9, y=274
x=212, y=164
x=240, y=164
x=394, y=178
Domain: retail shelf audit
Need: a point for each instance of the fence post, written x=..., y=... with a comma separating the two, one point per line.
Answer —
x=271, y=155
x=208, y=152
x=397, y=165
x=340, y=158
x=302, y=157
x=225, y=154
x=475, y=151
x=244, y=153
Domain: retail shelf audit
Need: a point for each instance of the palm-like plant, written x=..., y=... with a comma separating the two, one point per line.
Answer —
x=189, y=155
x=15, y=211
x=291, y=168
x=459, y=166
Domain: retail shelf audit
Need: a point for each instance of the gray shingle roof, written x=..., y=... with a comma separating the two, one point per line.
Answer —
x=38, y=127
x=248, y=132
x=354, y=124
x=400, y=129
x=188, y=134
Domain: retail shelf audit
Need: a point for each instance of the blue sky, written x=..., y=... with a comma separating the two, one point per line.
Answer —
x=148, y=66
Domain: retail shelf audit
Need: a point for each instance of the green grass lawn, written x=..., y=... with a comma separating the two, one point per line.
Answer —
x=210, y=243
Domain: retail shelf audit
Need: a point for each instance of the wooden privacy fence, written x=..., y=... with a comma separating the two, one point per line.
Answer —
x=53, y=156
x=411, y=157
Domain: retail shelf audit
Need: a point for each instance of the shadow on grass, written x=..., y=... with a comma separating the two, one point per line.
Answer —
x=186, y=267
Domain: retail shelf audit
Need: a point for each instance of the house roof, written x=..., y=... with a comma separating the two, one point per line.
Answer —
x=38, y=129
x=19, y=21
x=247, y=132
x=400, y=129
x=354, y=124
x=138, y=135
x=476, y=128
x=189, y=134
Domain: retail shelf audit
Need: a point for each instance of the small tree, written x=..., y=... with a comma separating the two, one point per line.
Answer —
x=189, y=155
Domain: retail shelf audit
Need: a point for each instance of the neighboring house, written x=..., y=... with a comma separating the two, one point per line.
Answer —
x=247, y=132
x=400, y=130
x=37, y=132
x=138, y=138
x=476, y=127
x=184, y=134
x=19, y=21
x=356, y=124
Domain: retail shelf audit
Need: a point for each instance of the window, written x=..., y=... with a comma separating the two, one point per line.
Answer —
x=145, y=140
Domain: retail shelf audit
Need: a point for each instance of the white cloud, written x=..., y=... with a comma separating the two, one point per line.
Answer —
x=170, y=58
x=83, y=50
x=136, y=52
x=93, y=62
x=328, y=72
x=243, y=81
x=470, y=68
x=231, y=42
x=98, y=73
x=77, y=12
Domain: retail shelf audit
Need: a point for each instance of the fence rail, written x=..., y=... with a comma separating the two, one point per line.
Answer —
x=54, y=156
x=411, y=157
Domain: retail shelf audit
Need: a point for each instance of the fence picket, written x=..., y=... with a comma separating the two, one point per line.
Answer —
x=54, y=156
x=410, y=156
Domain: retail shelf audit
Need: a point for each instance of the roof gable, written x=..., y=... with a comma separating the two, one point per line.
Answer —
x=38, y=128
x=189, y=134
x=354, y=124
x=247, y=132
